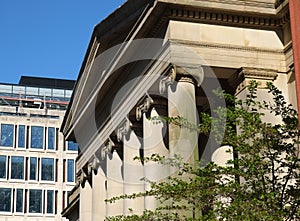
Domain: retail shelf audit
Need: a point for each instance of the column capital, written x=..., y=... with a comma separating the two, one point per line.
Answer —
x=123, y=129
x=143, y=106
x=194, y=73
x=167, y=79
x=82, y=177
x=261, y=75
x=185, y=72
x=94, y=165
x=106, y=148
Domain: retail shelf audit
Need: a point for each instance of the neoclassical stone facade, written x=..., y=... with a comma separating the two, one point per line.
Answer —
x=164, y=58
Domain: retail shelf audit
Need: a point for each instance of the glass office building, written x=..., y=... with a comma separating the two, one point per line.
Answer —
x=37, y=166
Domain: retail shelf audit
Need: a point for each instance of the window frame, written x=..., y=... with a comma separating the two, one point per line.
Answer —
x=28, y=202
x=41, y=170
x=67, y=147
x=54, y=141
x=11, y=201
x=67, y=169
x=18, y=136
x=13, y=136
x=36, y=169
x=6, y=166
x=10, y=169
x=46, y=202
x=23, y=201
x=43, y=138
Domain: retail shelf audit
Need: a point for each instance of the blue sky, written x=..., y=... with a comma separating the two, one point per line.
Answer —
x=47, y=38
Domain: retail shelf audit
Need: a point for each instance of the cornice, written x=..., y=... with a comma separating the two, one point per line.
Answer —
x=232, y=18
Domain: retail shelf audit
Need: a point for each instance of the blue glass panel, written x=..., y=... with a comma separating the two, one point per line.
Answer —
x=35, y=201
x=37, y=134
x=50, y=201
x=3, y=167
x=71, y=171
x=21, y=136
x=7, y=135
x=19, y=201
x=5, y=202
x=48, y=169
x=17, y=168
x=33, y=168
x=72, y=146
x=51, y=138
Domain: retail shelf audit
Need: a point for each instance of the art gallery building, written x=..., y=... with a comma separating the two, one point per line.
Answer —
x=164, y=58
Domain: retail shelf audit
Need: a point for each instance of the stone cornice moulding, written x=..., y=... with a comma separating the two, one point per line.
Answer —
x=210, y=3
x=273, y=20
x=79, y=87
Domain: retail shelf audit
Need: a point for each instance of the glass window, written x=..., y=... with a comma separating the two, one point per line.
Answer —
x=51, y=138
x=2, y=167
x=32, y=91
x=50, y=201
x=48, y=169
x=72, y=146
x=71, y=171
x=6, y=89
x=37, y=137
x=35, y=201
x=47, y=92
x=19, y=200
x=18, y=90
x=68, y=93
x=33, y=168
x=5, y=202
x=7, y=135
x=58, y=93
x=21, y=136
x=17, y=168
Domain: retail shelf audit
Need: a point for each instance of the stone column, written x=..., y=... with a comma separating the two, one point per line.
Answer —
x=183, y=140
x=153, y=144
x=114, y=178
x=85, y=202
x=133, y=173
x=262, y=76
x=99, y=190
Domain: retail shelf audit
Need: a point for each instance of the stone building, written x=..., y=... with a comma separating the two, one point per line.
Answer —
x=37, y=166
x=164, y=58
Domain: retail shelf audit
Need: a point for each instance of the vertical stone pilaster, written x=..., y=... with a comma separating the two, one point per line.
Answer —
x=114, y=183
x=99, y=190
x=261, y=76
x=133, y=172
x=153, y=144
x=182, y=102
x=85, y=203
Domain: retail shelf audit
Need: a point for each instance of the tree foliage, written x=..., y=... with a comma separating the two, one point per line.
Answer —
x=260, y=183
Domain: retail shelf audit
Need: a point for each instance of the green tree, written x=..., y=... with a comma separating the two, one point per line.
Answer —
x=260, y=183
